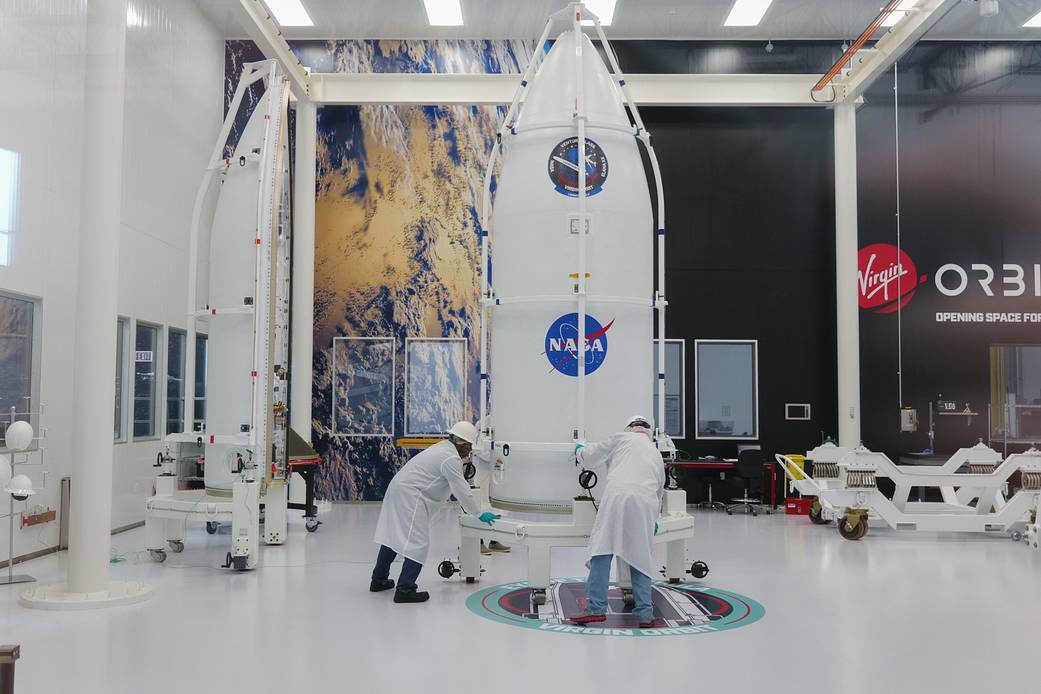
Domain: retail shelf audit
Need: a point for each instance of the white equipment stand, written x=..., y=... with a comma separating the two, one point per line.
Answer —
x=972, y=502
x=260, y=469
x=539, y=537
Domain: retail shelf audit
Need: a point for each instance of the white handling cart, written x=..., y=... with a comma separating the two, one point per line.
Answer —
x=973, y=501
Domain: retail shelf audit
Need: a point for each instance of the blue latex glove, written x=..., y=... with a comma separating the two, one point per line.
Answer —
x=489, y=517
x=578, y=447
x=655, y=527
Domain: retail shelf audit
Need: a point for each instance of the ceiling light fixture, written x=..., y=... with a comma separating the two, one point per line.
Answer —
x=747, y=13
x=289, y=13
x=603, y=9
x=444, y=13
x=899, y=13
x=1034, y=22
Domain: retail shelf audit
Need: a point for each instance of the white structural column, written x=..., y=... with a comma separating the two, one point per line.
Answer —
x=90, y=523
x=302, y=309
x=847, y=305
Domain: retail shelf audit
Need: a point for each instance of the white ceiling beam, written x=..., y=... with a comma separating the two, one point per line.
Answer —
x=647, y=90
x=870, y=63
x=264, y=31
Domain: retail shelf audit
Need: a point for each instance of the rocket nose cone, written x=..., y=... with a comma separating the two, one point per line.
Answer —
x=554, y=89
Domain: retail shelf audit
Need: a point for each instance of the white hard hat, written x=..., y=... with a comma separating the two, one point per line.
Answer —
x=465, y=431
x=637, y=418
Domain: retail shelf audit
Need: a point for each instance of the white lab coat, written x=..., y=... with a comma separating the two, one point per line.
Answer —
x=428, y=479
x=631, y=500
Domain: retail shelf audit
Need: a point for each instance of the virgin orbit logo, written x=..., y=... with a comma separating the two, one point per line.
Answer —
x=886, y=278
x=562, y=344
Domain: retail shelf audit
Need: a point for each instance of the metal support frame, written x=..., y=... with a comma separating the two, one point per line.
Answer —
x=488, y=89
x=847, y=305
x=494, y=89
x=268, y=37
x=972, y=502
x=868, y=63
x=168, y=511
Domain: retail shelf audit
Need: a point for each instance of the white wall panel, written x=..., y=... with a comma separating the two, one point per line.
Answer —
x=173, y=112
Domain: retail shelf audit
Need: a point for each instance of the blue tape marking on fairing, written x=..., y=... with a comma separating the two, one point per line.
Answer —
x=661, y=232
x=484, y=377
x=621, y=82
x=661, y=377
x=524, y=83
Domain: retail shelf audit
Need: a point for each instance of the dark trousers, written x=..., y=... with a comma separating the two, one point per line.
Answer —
x=409, y=571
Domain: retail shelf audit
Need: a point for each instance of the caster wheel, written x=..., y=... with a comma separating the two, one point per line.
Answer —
x=699, y=569
x=538, y=597
x=212, y=527
x=446, y=569
x=627, y=598
x=816, y=514
x=177, y=546
x=754, y=512
x=729, y=512
x=852, y=532
x=158, y=555
x=312, y=524
x=863, y=528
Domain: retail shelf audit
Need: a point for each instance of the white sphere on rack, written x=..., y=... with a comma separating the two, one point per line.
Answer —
x=20, y=487
x=19, y=436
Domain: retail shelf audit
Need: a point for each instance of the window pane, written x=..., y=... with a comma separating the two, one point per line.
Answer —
x=175, y=382
x=435, y=385
x=16, y=357
x=200, y=382
x=144, y=381
x=727, y=401
x=8, y=201
x=675, y=380
x=1015, y=393
x=363, y=386
x=117, y=430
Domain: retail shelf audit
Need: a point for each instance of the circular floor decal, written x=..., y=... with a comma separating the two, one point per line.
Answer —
x=679, y=609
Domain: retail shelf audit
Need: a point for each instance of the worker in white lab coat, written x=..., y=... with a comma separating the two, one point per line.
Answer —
x=425, y=481
x=627, y=519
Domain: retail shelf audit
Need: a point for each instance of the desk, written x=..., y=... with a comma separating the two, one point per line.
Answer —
x=769, y=472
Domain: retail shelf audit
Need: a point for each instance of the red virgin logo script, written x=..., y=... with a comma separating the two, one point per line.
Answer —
x=886, y=278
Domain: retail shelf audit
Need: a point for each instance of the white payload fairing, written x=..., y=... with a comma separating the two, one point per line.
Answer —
x=574, y=249
x=572, y=258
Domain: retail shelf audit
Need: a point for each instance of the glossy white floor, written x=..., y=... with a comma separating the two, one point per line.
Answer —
x=892, y=613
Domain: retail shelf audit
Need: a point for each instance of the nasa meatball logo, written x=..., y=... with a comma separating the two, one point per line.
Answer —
x=886, y=278
x=563, y=167
x=682, y=609
x=562, y=344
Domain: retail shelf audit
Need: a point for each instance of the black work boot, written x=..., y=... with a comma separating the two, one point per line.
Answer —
x=414, y=596
x=380, y=584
